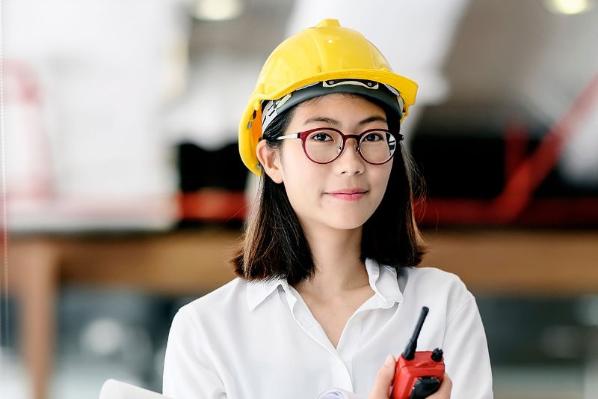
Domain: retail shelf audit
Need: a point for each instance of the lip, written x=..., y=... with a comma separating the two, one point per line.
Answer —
x=356, y=190
x=348, y=194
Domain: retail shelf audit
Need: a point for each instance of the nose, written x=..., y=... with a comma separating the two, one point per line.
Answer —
x=350, y=161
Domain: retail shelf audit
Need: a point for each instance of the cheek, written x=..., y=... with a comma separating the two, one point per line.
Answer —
x=297, y=168
x=380, y=180
x=300, y=176
x=302, y=182
x=386, y=176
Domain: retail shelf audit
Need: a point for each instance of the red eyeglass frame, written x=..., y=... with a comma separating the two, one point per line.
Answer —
x=304, y=134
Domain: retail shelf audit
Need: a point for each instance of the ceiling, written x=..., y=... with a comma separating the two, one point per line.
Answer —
x=498, y=52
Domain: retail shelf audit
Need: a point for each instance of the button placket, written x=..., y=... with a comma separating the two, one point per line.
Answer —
x=306, y=321
x=347, y=343
x=309, y=324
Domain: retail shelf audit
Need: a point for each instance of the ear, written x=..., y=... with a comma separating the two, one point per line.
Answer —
x=270, y=160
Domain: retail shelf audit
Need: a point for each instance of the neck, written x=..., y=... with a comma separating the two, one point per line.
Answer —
x=338, y=267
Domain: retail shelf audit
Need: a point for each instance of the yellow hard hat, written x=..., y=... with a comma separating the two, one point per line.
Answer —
x=324, y=52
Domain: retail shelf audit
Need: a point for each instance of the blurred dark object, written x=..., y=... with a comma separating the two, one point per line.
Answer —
x=491, y=172
x=212, y=185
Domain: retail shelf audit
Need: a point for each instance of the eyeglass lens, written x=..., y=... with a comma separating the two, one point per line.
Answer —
x=376, y=146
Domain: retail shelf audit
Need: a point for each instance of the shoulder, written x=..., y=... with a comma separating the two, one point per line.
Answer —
x=211, y=308
x=435, y=286
x=433, y=278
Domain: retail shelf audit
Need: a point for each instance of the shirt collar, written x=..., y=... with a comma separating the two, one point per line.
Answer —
x=259, y=290
x=382, y=279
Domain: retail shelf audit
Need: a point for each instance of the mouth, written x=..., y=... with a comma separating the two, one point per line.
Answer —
x=348, y=194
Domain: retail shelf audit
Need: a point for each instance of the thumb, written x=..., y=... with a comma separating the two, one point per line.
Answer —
x=383, y=381
x=445, y=389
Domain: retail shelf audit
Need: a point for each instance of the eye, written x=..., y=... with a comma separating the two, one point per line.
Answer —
x=321, y=136
x=375, y=136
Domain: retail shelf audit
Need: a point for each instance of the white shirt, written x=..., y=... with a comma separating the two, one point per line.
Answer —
x=259, y=340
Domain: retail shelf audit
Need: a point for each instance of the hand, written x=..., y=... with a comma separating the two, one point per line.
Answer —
x=383, y=383
x=444, y=392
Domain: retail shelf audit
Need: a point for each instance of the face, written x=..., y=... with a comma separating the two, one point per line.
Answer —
x=320, y=193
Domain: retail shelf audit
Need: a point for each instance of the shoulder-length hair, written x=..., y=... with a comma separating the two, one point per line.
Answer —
x=274, y=245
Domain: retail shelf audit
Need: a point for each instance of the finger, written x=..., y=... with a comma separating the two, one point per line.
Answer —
x=383, y=379
x=444, y=392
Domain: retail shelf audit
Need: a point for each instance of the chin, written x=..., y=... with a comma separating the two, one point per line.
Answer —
x=347, y=223
x=347, y=227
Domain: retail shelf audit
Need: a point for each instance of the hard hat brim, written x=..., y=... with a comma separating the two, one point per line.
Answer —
x=380, y=94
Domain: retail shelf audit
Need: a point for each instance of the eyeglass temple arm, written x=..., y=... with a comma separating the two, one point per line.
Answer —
x=289, y=136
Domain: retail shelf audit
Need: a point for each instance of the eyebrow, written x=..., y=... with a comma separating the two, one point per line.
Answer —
x=334, y=122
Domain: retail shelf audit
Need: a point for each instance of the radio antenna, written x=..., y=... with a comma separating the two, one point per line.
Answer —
x=409, y=352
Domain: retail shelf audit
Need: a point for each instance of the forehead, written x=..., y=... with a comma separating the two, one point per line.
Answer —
x=340, y=105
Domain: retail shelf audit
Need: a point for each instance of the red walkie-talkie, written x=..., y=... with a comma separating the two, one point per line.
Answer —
x=418, y=374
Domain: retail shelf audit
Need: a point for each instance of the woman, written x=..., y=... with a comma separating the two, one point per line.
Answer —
x=327, y=292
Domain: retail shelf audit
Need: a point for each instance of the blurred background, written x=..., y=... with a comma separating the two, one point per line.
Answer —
x=125, y=196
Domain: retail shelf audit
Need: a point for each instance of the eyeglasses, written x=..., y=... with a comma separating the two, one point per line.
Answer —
x=324, y=144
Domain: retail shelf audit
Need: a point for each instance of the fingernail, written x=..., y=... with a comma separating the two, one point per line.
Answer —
x=390, y=361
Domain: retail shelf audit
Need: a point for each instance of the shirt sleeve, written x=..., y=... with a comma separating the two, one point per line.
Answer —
x=187, y=372
x=466, y=354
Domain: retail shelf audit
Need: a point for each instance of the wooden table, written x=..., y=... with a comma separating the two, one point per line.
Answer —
x=497, y=262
